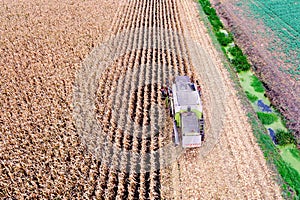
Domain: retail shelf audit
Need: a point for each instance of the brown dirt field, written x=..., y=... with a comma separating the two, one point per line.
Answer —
x=43, y=151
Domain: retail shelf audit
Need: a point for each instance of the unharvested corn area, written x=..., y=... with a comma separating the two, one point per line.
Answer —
x=41, y=152
x=42, y=45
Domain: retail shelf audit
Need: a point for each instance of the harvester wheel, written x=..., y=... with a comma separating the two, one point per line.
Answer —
x=202, y=137
x=170, y=110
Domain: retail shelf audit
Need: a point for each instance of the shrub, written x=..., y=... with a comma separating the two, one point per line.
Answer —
x=212, y=15
x=207, y=10
x=240, y=64
x=267, y=118
x=251, y=97
x=235, y=51
x=223, y=39
x=242, y=67
x=257, y=84
x=239, y=61
x=205, y=3
x=284, y=137
x=216, y=23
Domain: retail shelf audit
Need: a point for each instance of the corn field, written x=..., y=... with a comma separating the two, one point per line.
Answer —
x=81, y=110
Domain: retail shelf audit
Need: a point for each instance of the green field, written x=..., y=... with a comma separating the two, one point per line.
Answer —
x=283, y=18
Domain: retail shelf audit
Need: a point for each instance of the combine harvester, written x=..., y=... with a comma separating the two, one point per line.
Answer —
x=186, y=109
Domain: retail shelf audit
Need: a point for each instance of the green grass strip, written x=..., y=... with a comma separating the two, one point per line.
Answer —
x=251, y=97
x=289, y=174
x=295, y=153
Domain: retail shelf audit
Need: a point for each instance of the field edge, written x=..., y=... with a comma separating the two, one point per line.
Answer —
x=265, y=143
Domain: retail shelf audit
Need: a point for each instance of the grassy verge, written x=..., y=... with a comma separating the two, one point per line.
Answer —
x=287, y=177
x=238, y=60
x=251, y=97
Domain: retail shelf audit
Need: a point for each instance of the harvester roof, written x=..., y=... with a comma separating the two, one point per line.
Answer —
x=189, y=122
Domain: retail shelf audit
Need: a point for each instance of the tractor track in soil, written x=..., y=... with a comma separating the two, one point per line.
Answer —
x=156, y=47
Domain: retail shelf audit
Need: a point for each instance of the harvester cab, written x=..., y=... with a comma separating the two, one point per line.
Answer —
x=184, y=102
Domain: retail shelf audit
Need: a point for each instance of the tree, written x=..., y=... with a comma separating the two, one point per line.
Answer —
x=284, y=137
